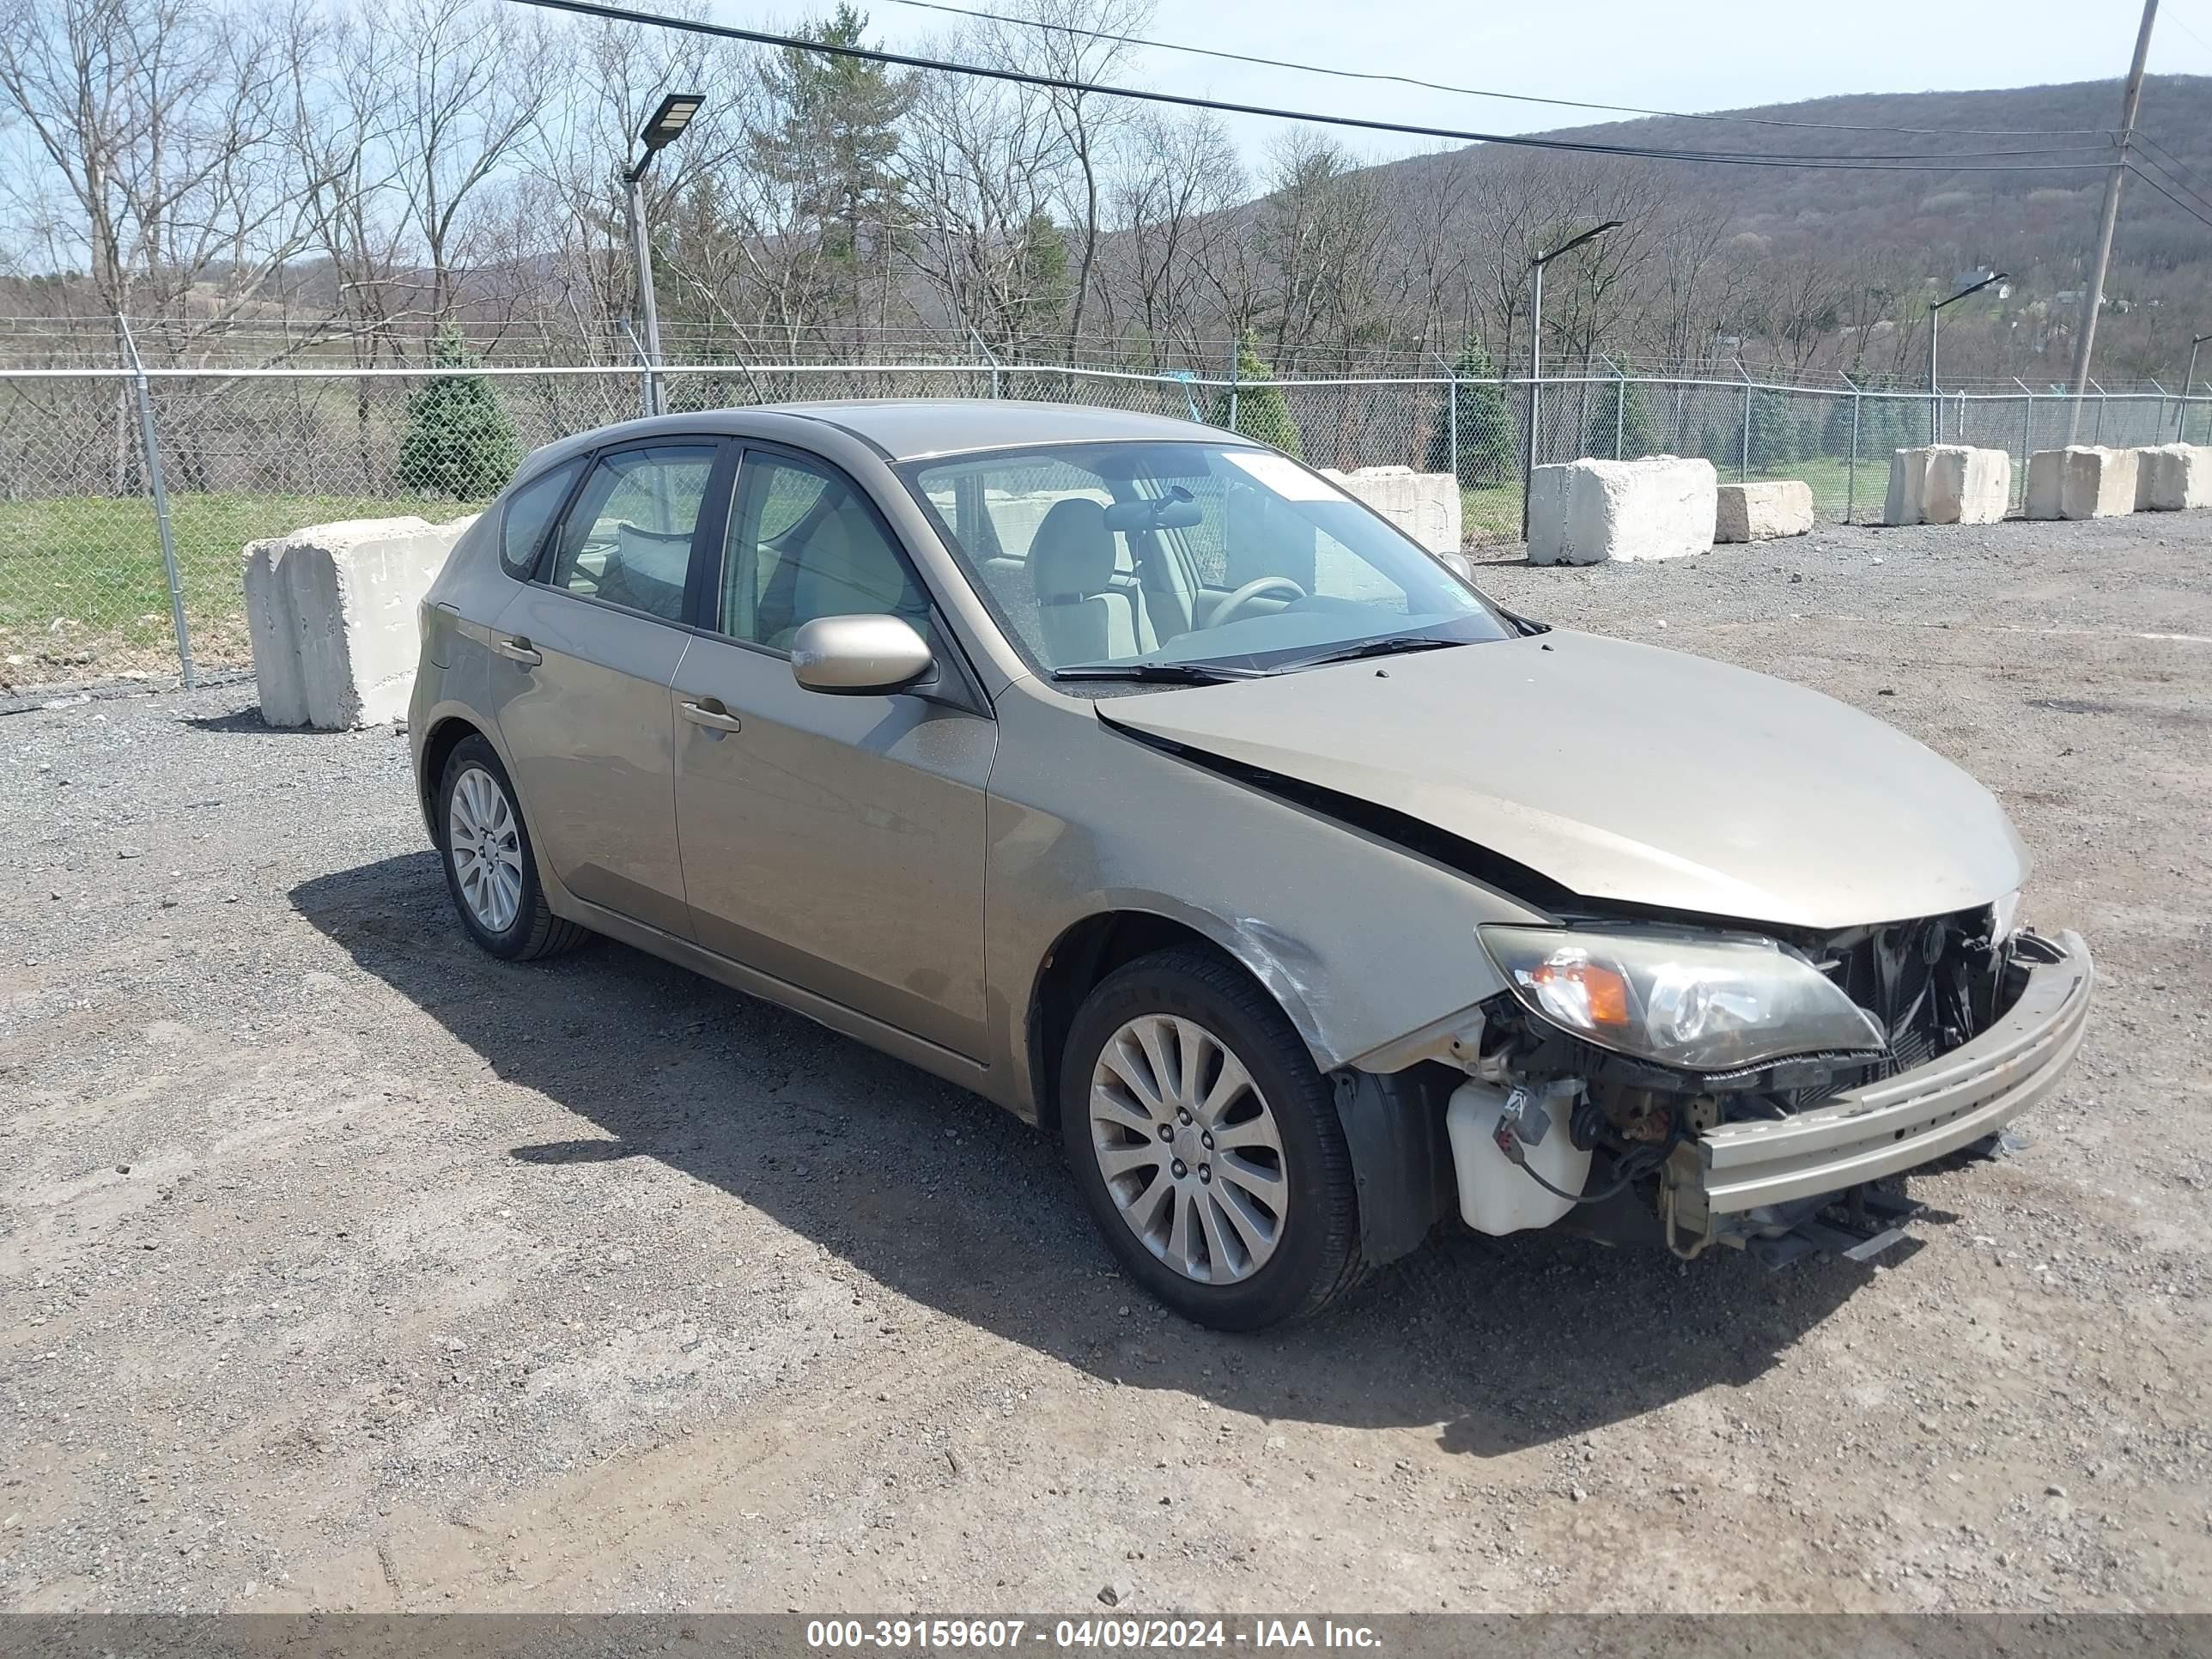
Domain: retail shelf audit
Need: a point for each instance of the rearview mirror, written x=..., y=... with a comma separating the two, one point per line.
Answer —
x=1458, y=563
x=855, y=656
x=1176, y=511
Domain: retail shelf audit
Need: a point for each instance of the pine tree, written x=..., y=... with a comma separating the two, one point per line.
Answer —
x=1485, y=429
x=836, y=147
x=1636, y=428
x=1040, y=298
x=1774, y=432
x=1261, y=411
x=458, y=441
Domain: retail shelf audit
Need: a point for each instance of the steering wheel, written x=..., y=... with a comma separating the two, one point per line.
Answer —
x=1252, y=590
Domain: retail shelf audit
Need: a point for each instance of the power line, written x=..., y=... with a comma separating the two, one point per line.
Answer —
x=2189, y=208
x=2200, y=198
x=1902, y=163
x=1483, y=91
x=2173, y=163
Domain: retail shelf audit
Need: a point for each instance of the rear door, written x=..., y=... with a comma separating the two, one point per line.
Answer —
x=583, y=658
x=835, y=843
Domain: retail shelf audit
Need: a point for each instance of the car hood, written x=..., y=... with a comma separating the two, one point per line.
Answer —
x=1626, y=773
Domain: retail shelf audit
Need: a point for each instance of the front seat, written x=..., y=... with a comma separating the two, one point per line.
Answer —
x=1083, y=615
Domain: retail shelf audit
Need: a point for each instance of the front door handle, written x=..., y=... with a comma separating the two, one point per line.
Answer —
x=711, y=715
x=518, y=650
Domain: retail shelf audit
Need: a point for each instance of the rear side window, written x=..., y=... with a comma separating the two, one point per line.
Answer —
x=529, y=510
x=628, y=539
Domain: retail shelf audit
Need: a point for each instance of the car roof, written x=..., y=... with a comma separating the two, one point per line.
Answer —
x=910, y=428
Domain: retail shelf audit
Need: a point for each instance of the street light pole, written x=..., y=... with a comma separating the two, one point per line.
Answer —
x=666, y=125
x=2188, y=379
x=1536, y=264
x=1934, y=327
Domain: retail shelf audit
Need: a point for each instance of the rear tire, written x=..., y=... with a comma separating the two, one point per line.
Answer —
x=491, y=869
x=1207, y=1146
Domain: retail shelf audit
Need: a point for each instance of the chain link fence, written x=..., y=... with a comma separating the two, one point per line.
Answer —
x=125, y=499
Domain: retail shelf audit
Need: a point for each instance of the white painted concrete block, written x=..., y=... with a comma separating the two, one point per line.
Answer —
x=1424, y=505
x=1966, y=485
x=1662, y=507
x=1548, y=490
x=2081, y=480
x=331, y=610
x=2173, y=476
x=1761, y=512
x=1908, y=486
x=1948, y=484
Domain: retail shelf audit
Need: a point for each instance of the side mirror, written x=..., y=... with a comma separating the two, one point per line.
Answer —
x=856, y=656
x=1458, y=563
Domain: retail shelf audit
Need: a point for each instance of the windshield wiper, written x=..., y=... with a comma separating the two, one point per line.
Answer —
x=1388, y=647
x=1165, y=674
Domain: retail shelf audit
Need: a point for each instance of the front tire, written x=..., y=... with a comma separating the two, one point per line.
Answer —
x=1207, y=1146
x=491, y=870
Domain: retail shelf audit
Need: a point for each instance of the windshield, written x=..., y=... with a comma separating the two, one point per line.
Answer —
x=1182, y=556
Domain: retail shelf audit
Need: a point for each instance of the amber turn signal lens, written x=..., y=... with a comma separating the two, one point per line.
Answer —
x=1603, y=992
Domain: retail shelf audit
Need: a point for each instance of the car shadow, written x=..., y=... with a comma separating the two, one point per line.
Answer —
x=1495, y=1344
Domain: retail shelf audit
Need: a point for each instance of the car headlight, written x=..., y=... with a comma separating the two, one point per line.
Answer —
x=1702, y=1005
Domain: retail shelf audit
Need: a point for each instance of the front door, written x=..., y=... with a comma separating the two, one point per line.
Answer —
x=835, y=843
x=584, y=656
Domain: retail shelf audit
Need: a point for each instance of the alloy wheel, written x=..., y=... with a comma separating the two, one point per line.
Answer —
x=1189, y=1149
x=484, y=840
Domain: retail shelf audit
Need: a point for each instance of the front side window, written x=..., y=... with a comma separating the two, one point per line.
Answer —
x=803, y=544
x=1129, y=554
x=627, y=538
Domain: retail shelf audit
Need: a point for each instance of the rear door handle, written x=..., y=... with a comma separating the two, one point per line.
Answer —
x=518, y=650
x=711, y=715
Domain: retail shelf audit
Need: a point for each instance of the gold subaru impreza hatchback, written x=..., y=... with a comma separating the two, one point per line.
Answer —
x=1133, y=775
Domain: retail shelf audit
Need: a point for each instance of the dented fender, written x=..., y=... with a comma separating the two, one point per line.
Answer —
x=1369, y=949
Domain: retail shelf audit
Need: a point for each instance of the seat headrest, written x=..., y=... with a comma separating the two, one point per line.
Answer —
x=1072, y=554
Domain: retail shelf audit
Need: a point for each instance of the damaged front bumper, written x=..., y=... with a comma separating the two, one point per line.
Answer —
x=1733, y=1181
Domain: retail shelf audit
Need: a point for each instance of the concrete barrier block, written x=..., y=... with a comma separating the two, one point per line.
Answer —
x=1424, y=505
x=2081, y=480
x=1948, y=484
x=1966, y=485
x=1548, y=490
x=2173, y=476
x=1761, y=512
x=332, y=610
x=1908, y=486
x=1662, y=507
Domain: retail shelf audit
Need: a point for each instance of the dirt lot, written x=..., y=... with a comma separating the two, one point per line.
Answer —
x=341, y=1266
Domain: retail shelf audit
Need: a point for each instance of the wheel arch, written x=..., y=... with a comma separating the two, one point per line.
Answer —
x=1088, y=950
x=447, y=734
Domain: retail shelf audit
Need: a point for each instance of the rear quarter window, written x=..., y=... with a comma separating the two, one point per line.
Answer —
x=528, y=512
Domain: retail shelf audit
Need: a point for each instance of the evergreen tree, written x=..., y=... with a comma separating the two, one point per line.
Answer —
x=1637, y=426
x=458, y=440
x=1042, y=290
x=1485, y=429
x=1261, y=411
x=836, y=144
x=1774, y=432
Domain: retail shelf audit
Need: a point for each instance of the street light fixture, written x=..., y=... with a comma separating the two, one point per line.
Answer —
x=2188, y=379
x=1536, y=264
x=666, y=127
x=1935, y=326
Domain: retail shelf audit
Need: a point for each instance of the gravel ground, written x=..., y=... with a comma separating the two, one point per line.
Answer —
x=343, y=1266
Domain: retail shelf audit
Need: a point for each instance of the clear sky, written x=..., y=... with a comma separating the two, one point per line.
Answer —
x=1689, y=55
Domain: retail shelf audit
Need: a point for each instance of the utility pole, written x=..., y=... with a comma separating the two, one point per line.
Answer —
x=2093, y=300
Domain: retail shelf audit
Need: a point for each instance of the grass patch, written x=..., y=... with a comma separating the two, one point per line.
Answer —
x=82, y=590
